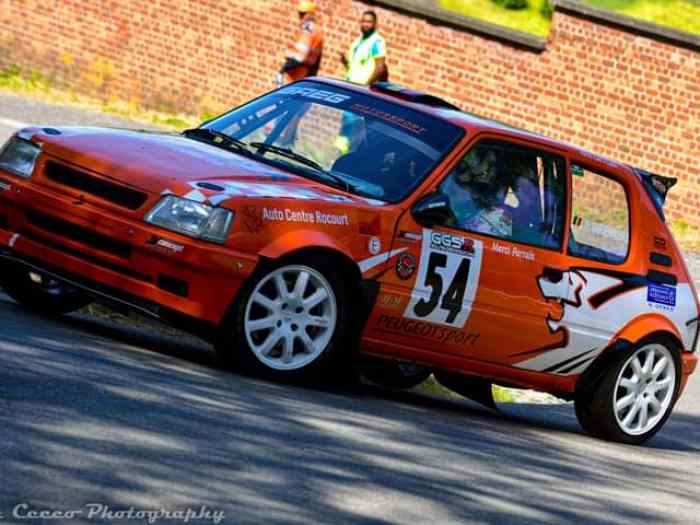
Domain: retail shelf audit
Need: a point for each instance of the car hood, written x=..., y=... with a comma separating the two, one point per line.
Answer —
x=170, y=163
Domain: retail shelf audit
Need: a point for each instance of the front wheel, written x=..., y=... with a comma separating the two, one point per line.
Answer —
x=39, y=292
x=635, y=396
x=290, y=322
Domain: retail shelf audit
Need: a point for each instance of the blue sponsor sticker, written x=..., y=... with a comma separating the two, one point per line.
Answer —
x=661, y=294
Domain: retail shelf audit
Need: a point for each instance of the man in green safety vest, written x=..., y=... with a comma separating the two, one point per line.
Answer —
x=365, y=63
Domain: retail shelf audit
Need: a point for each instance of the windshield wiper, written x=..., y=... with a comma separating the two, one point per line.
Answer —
x=291, y=154
x=217, y=138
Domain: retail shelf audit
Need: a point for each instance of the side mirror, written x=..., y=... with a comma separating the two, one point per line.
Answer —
x=432, y=209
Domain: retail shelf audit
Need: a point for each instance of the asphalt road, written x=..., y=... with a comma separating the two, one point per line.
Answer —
x=98, y=413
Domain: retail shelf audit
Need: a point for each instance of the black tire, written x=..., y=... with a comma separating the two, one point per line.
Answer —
x=594, y=403
x=46, y=297
x=234, y=346
x=394, y=375
x=475, y=388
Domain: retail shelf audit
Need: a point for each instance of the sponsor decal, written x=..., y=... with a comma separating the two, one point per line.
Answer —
x=164, y=245
x=406, y=265
x=661, y=294
x=451, y=243
x=316, y=94
x=374, y=245
x=448, y=278
x=513, y=251
x=389, y=300
x=251, y=219
x=396, y=120
x=302, y=216
x=170, y=246
x=425, y=330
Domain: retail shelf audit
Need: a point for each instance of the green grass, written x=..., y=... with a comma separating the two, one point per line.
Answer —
x=683, y=15
x=431, y=386
x=687, y=235
x=533, y=19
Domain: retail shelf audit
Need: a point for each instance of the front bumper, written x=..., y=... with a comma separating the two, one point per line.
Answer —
x=101, y=250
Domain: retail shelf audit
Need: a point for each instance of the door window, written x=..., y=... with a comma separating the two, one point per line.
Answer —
x=600, y=228
x=510, y=192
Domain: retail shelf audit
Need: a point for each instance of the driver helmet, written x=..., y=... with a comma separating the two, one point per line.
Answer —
x=479, y=175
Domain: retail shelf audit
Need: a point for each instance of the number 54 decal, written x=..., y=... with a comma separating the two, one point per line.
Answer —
x=448, y=277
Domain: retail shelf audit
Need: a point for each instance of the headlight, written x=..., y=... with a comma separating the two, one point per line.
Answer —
x=191, y=218
x=18, y=157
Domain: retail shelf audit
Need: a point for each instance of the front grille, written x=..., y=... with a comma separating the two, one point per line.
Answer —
x=109, y=191
x=79, y=234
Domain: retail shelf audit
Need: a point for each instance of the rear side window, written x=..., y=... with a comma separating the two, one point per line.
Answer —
x=600, y=225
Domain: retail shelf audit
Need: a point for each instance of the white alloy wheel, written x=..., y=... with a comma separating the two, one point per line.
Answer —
x=290, y=317
x=644, y=389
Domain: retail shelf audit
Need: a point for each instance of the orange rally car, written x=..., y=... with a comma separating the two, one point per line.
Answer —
x=324, y=217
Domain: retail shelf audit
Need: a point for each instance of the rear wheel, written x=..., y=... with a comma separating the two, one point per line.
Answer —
x=40, y=293
x=394, y=375
x=290, y=322
x=635, y=396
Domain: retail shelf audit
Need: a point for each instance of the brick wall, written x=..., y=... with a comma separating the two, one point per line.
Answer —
x=633, y=98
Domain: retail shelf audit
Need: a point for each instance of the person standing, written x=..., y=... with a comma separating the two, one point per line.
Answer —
x=304, y=53
x=365, y=61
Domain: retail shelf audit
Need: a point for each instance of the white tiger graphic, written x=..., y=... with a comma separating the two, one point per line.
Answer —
x=596, y=306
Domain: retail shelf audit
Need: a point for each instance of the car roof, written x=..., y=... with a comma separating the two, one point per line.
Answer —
x=471, y=122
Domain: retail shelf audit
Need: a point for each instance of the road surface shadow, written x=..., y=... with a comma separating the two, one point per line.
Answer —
x=554, y=417
x=145, y=420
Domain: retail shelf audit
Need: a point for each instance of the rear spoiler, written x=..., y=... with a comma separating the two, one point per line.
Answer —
x=657, y=187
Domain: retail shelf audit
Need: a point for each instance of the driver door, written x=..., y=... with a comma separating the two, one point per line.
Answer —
x=470, y=282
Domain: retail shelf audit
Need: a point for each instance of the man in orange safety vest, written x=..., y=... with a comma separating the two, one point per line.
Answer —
x=304, y=53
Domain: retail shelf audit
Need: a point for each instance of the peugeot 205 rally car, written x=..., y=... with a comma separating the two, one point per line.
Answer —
x=324, y=217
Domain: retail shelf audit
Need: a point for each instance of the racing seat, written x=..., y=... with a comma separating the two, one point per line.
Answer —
x=527, y=216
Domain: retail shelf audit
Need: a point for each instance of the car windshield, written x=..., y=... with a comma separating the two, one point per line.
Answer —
x=354, y=141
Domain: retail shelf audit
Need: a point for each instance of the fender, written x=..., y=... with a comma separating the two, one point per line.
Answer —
x=632, y=333
x=640, y=327
x=299, y=239
x=308, y=239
